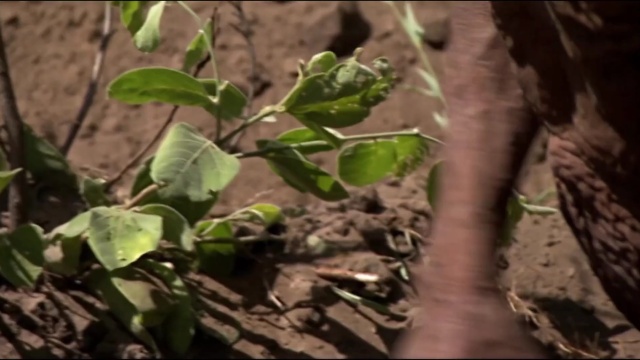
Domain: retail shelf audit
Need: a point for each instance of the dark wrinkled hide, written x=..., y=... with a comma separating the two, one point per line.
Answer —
x=573, y=67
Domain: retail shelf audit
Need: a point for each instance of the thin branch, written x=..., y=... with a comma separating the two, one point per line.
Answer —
x=93, y=82
x=109, y=184
x=244, y=29
x=18, y=206
x=141, y=195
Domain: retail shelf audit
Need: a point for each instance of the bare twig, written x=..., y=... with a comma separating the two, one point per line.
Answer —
x=244, y=28
x=18, y=207
x=342, y=274
x=93, y=82
x=109, y=184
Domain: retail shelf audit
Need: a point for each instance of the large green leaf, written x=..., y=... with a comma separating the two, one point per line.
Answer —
x=132, y=298
x=140, y=86
x=65, y=245
x=229, y=103
x=118, y=237
x=266, y=214
x=132, y=15
x=93, y=192
x=340, y=97
x=22, y=255
x=305, y=135
x=197, y=47
x=302, y=174
x=45, y=163
x=194, y=166
x=215, y=258
x=147, y=38
x=191, y=210
x=322, y=62
x=175, y=228
x=366, y=162
x=182, y=316
x=411, y=151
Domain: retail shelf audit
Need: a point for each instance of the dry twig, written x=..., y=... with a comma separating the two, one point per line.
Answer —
x=93, y=82
x=244, y=29
x=18, y=207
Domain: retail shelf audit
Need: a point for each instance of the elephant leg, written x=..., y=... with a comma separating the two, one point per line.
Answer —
x=596, y=163
x=491, y=129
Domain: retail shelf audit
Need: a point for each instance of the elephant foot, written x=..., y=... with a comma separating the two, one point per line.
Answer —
x=462, y=324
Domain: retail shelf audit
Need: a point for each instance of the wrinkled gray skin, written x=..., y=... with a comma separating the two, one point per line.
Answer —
x=573, y=67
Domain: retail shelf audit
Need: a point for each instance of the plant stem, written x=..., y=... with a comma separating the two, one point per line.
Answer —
x=315, y=143
x=93, y=81
x=265, y=112
x=141, y=195
x=214, y=63
x=421, y=52
x=18, y=206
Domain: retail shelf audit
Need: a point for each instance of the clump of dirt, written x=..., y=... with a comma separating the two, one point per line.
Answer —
x=283, y=299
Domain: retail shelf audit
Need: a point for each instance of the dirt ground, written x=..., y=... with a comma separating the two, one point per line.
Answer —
x=51, y=47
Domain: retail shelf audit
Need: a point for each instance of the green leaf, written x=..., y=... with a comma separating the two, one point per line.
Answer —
x=92, y=191
x=152, y=302
x=63, y=253
x=118, y=237
x=191, y=210
x=6, y=177
x=147, y=38
x=45, y=163
x=229, y=104
x=179, y=326
x=302, y=174
x=267, y=214
x=411, y=151
x=433, y=185
x=197, y=47
x=193, y=166
x=216, y=258
x=22, y=255
x=131, y=297
x=214, y=229
x=340, y=97
x=366, y=162
x=75, y=227
x=132, y=15
x=301, y=135
x=322, y=62
x=175, y=228
x=331, y=136
x=140, y=86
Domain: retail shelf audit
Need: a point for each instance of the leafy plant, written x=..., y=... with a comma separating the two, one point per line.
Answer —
x=518, y=204
x=175, y=188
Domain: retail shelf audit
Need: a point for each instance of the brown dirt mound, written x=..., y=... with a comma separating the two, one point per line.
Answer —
x=278, y=306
